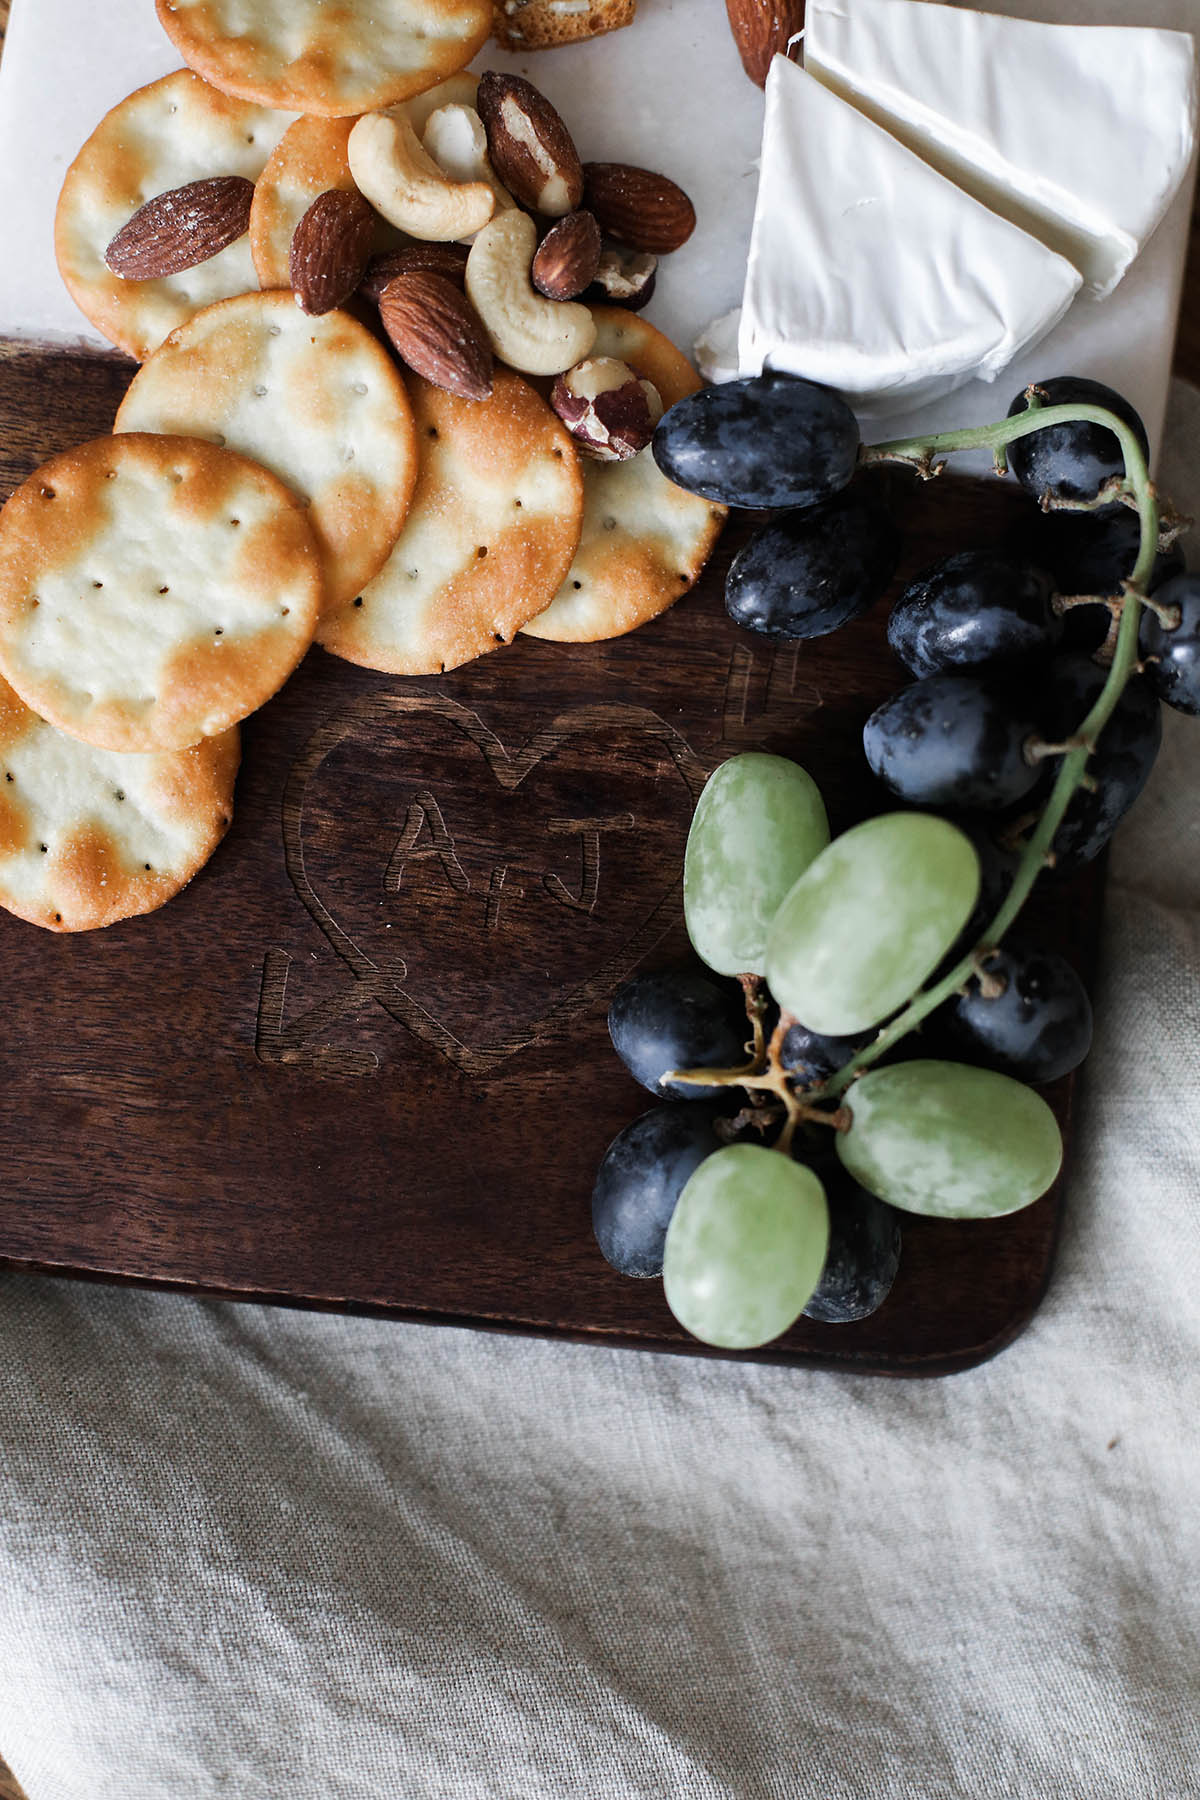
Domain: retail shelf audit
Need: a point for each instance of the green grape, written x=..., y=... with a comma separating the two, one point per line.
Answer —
x=745, y=1247
x=949, y=1141
x=757, y=826
x=870, y=918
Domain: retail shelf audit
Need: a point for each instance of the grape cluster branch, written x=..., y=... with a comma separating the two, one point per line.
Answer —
x=923, y=454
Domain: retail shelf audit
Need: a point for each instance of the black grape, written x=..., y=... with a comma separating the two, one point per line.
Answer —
x=642, y=1174
x=1038, y=1029
x=973, y=608
x=810, y=1057
x=1174, y=669
x=952, y=741
x=1122, y=761
x=677, y=1019
x=1093, y=553
x=770, y=440
x=1072, y=461
x=808, y=572
x=864, y=1251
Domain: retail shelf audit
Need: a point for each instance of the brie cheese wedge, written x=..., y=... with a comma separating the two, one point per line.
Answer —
x=870, y=272
x=1080, y=134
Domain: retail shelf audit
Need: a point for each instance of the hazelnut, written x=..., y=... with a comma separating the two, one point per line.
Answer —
x=609, y=411
x=623, y=278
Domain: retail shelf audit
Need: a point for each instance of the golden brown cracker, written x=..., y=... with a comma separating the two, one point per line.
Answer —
x=91, y=836
x=492, y=528
x=153, y=590
x=328, y=57
x=318, y=401
x=644, y=540
x=172, y=132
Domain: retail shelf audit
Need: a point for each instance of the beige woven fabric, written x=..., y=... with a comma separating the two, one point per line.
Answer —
x=248, y=1552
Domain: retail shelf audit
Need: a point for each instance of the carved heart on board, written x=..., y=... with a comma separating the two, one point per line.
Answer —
x=486, y=896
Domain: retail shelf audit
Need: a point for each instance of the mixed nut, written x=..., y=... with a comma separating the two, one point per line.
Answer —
x=507, y=237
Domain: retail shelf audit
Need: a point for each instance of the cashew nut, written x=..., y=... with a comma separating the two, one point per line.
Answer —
x=405, y=185
x=535, y=335
x=455, y=138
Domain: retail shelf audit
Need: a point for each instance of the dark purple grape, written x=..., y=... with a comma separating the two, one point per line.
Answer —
x=974, y=608
x=770, y=440
x=810, y=1057
x=1122, y=761
x=808, y=572
x=1093, y=553
x=863, y=1255
x=1038, y=1029
x=642, y=1174
x=952, y=741
x=677, y=1019
x=1072, y=461
x=1173, y=665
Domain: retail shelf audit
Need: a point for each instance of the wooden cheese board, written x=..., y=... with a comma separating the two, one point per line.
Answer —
x=362, y=1062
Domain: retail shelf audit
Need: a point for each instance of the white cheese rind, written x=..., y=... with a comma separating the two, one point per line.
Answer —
x=1080, y=134
x=873, y=274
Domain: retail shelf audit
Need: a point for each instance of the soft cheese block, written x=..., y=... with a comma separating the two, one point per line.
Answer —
x=1081, y=134
x=872, y=273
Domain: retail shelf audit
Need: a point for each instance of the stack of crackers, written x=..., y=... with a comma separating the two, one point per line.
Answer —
x=275, y=476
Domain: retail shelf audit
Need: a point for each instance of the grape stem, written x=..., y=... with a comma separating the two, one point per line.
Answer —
x=767, y=1074
x=1137, y=489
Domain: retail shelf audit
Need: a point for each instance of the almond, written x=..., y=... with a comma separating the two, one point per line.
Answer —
x=438, y=333
x=644, y=210
x=530, y=148
x=449, y=260
x=185, y=226
x=762, y=29
x=330, y=248
x=567, y=257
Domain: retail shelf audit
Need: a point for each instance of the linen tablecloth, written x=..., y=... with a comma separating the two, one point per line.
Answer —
x=253, y=1552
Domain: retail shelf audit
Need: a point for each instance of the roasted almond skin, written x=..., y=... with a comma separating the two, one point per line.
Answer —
x=449, y=260
x=761, y=29
x=438, y=333
x=185, y=226
x=330, y=249
x=567, y=258
x=530, y=148
x=645, y=210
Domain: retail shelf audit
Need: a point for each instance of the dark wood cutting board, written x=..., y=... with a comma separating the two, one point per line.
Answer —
x=363, y=1061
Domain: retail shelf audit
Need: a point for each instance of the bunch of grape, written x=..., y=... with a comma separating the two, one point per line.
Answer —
x=767, y=1183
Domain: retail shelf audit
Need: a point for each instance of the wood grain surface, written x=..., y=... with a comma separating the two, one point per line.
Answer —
x=363, y=1059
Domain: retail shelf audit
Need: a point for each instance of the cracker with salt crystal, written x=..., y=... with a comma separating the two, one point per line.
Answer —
x=176, y=131
x=314, y=56
x=644, y=540
x=491, y=531
x=153, y=590
x=318, y=401
x=91, y=836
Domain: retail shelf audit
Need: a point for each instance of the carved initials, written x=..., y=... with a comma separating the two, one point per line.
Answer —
x=425, y=813
x=588, y=832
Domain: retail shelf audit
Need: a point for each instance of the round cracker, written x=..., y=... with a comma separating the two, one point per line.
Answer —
x=310, y=158
x=312, y=56
x=176, y=130
x=318, y=401
x=644, y=540
x=91, y=836
x=153, y=590
x=493, y=526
